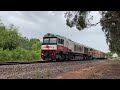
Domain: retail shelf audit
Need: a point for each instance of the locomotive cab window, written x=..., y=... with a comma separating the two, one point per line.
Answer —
x=60, y=41
x=90, y=49
x=53, y=40
x=45, y=40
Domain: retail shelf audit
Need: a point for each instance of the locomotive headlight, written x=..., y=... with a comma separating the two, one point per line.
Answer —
x=42, y=54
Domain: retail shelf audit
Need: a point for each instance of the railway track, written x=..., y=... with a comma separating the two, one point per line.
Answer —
x=18, y=62
x=33, y=62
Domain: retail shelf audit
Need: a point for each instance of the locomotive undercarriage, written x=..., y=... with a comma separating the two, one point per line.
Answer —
x=63, y=56
x=72, y=56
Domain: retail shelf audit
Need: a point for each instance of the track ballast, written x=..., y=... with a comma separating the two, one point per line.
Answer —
x=33, y=62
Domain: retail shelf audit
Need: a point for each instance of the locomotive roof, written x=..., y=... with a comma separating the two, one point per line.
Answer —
x=54, y=35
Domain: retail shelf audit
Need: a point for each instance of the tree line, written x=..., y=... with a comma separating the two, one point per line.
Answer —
x=13, y=46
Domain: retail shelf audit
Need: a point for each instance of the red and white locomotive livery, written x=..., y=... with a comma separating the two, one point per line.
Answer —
x=56, y=47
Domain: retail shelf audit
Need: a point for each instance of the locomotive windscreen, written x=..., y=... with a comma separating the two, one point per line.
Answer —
x=50, y=41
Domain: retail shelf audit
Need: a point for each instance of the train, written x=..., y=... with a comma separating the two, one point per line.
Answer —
x=59, y=48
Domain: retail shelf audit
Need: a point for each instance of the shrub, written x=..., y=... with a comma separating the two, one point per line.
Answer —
x=19, y=54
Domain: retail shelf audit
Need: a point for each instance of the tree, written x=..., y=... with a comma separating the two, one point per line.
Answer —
x=3, y=32
x=110, y=22
x=35, y=43
x=110, y=54
x=34, y=47
x=118, y=54
x=15, y=47
x=38, y=45
x=9, y=37
x=25, y=43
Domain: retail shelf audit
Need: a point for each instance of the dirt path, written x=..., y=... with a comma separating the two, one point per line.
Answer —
x=107, y=70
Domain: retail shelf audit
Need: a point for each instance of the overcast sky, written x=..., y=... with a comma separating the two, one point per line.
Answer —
x=34, y=24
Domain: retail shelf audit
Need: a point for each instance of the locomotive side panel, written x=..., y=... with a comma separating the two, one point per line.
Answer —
x=78, y=48
x=60, y=44
x=85, y=50
x=66, y=45
x=69, y=45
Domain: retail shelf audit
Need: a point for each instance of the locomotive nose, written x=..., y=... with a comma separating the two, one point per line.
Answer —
x=48, y=55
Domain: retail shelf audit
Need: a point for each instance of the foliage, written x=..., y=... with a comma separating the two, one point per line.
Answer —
x=36, y=46
x=19, y=54
x=111, y=26
x=110, y=22
x=9, y=37
x=110, y=54
x=14, y=47
x=24, y=43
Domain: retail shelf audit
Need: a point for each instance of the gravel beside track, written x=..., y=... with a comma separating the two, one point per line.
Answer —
x=43, y=70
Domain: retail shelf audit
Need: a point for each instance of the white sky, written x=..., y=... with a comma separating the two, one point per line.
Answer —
x=34, y=24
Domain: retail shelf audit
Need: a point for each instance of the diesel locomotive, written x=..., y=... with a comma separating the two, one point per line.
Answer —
x=59, y=48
